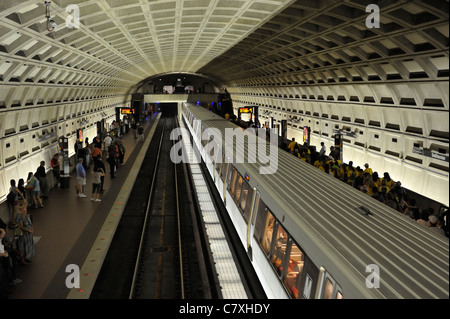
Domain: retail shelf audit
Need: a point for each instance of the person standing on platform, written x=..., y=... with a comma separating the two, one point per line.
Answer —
x=323, y=149
x=112, y=160
x=106, y=143
x=140, y=131
x=81, y=178
x=34, y=190
x=98, y=162
x=122, y=151
x=368, y=169
x=97, y=142
x=14, y=202
x=42, y=177
x=292, y=145
x=96, y=183
x=25, y=242
x=54, y=163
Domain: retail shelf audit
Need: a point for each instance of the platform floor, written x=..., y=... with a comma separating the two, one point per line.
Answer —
x=66, y=228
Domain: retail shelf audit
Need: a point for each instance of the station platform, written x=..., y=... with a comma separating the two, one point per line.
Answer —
x=65, y=230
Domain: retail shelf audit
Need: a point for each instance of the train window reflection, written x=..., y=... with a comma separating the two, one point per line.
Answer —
x=266, y=239
x=279, y=249
x=328, y=289
x=246, y=204
x=294, y=270
x=261, y=216
x=233, y=182
x=230, y=173
x=238, y=189
x=244, y=196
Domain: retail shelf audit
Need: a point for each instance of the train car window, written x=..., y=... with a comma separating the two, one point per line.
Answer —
x=294, y=270
x=237, y=196
x=266, y=240
x=233, y=182
x=328, y=289
x=220, y=165
x=212, y=148
x=230, y=174
x=279, y=249
x=246, y=200
x=204, y=141
x=261, y=217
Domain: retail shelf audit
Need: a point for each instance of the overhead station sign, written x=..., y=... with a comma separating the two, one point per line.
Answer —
x=429, y=153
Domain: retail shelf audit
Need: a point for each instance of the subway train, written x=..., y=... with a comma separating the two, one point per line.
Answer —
x=309, y=235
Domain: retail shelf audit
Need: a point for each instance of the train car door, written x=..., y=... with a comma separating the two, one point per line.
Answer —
x=310, y=278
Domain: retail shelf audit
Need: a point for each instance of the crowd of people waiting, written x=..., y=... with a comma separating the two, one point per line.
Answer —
x=31, y=193
x=383, y=188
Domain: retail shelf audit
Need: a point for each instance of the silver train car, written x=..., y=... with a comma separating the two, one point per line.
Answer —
x=309, y=235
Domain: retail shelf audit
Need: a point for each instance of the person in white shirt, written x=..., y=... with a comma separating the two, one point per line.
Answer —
x=106, y=143
x=322, y=150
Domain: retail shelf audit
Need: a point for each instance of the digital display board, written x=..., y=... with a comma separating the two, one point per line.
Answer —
x=246, y=110
x=127, y=110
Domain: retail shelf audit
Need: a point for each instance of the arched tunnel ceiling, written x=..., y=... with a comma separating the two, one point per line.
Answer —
x=313, y=42
x=252, y=42
x=131, y=39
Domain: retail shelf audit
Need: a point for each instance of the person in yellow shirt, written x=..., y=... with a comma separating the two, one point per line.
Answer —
x=292, y=145
x=387, y=182
x=368, y=169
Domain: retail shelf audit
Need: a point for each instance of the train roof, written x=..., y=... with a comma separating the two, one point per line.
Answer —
x=324, y=216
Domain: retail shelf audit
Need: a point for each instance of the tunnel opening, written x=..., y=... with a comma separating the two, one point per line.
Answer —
x=167, y=109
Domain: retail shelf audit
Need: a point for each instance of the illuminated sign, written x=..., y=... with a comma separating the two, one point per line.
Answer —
x=306, y=132
x=246, y=110
x=127, y=110
x=80, y=135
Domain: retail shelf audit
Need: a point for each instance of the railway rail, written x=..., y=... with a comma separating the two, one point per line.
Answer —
x=156, y=252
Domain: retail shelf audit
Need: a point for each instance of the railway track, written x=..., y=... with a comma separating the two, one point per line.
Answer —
x=156, y=251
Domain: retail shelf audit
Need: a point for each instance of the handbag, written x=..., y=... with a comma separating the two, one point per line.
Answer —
x=18, y=232
x=30, y=185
